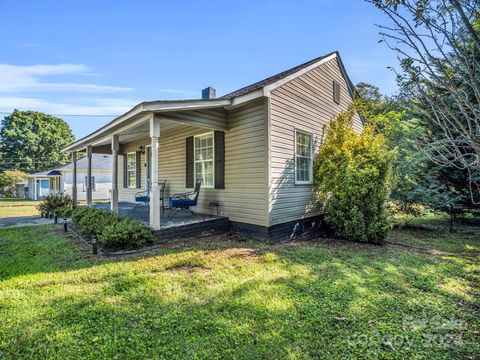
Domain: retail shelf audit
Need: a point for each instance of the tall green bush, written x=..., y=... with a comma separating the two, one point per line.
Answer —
x=352, y=176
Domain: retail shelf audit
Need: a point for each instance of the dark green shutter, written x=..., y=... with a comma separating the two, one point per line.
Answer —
x=189, y=163
x=219, y=160
x=138, y=171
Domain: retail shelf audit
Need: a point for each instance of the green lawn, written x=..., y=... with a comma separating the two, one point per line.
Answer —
x=17, y=207
x=219, y=298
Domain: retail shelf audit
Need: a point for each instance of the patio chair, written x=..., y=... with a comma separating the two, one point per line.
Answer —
x=143, y=197
x=183, y=201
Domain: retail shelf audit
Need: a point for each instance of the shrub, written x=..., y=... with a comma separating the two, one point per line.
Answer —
x=125, y=233
x=58, y=204
x=352, y=175
x=111, y=230
x=94, y=220
x=79, y=213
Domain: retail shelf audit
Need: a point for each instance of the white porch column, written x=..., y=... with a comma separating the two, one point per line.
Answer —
x=155, y=190
x=74, y=179
x=61, y=183
x=114, y=198
x=89, y=176
x=34, y=188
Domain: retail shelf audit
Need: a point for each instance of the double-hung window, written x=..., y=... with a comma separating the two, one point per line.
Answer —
x=94, y=186
x=132, y=170
x=204, y=159
x=303, y=158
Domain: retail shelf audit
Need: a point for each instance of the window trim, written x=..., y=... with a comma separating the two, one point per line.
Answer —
x=94, y=184
x=129, y=186
x=212, y=133
x=301, y=182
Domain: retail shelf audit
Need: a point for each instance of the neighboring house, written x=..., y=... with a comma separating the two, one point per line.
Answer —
x=44, y=183
x=101, y=177
x=60, y=180
x=253, y=148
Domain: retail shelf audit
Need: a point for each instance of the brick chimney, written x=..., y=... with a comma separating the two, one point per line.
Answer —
x=209, y=93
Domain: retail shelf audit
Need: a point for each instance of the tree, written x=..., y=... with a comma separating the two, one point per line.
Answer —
x=438, y=47
x=8, y=180
x=32, y=141
x=352, y=180
x=417, y=180
x=371, y=102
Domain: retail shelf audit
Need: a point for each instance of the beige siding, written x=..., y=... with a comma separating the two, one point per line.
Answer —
x=304, y=103
x=244, y=198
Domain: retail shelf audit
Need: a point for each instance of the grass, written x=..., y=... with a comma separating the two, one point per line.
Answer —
x=17, y=207
x=220, y=298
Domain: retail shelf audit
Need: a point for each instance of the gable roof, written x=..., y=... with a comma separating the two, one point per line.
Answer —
x=99, y=162
x=272, y=79
x=247, y=93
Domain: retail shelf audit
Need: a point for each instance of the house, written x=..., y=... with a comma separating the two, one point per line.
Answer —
x=60, y=180
x=252, y=148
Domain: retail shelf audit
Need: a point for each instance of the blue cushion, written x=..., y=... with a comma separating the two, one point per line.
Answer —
x=181, y=202
x=142, y=198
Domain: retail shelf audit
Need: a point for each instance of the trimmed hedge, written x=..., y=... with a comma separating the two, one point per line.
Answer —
x=111, y=230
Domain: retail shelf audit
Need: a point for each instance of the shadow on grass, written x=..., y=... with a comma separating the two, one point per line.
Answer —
x=218, y=298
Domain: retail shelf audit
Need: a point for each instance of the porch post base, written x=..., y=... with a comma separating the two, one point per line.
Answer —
x=155, y=208
x=114, y=201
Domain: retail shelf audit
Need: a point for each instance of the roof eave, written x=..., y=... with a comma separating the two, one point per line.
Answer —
x=146, y=108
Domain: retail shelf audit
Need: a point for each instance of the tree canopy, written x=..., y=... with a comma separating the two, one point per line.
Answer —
x=32, y=141
x=8, y=180
x=438, y=46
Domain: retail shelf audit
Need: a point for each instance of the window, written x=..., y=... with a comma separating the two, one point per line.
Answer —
x=336, y=92
x=204, y=155
x=94, y=186
x=132, y=170
x=303, y=158
x=55, y=183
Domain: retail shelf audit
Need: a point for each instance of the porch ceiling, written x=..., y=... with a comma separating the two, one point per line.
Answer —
x=136, y=123
x=140, y=131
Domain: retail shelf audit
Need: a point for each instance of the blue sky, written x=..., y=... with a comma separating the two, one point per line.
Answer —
x=102, y=57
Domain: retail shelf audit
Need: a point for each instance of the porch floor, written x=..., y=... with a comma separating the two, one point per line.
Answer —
x=141, y=213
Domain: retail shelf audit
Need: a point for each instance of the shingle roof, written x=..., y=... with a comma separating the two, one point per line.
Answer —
x=99, y=162
x=270, y=80
x=41, y=173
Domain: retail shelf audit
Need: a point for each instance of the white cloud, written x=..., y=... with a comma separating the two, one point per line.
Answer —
x=90, y=107
x=178, y=92
x=20, y=79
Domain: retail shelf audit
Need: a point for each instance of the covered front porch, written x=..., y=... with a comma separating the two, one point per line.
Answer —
x=142, y=213
x=147, y=145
